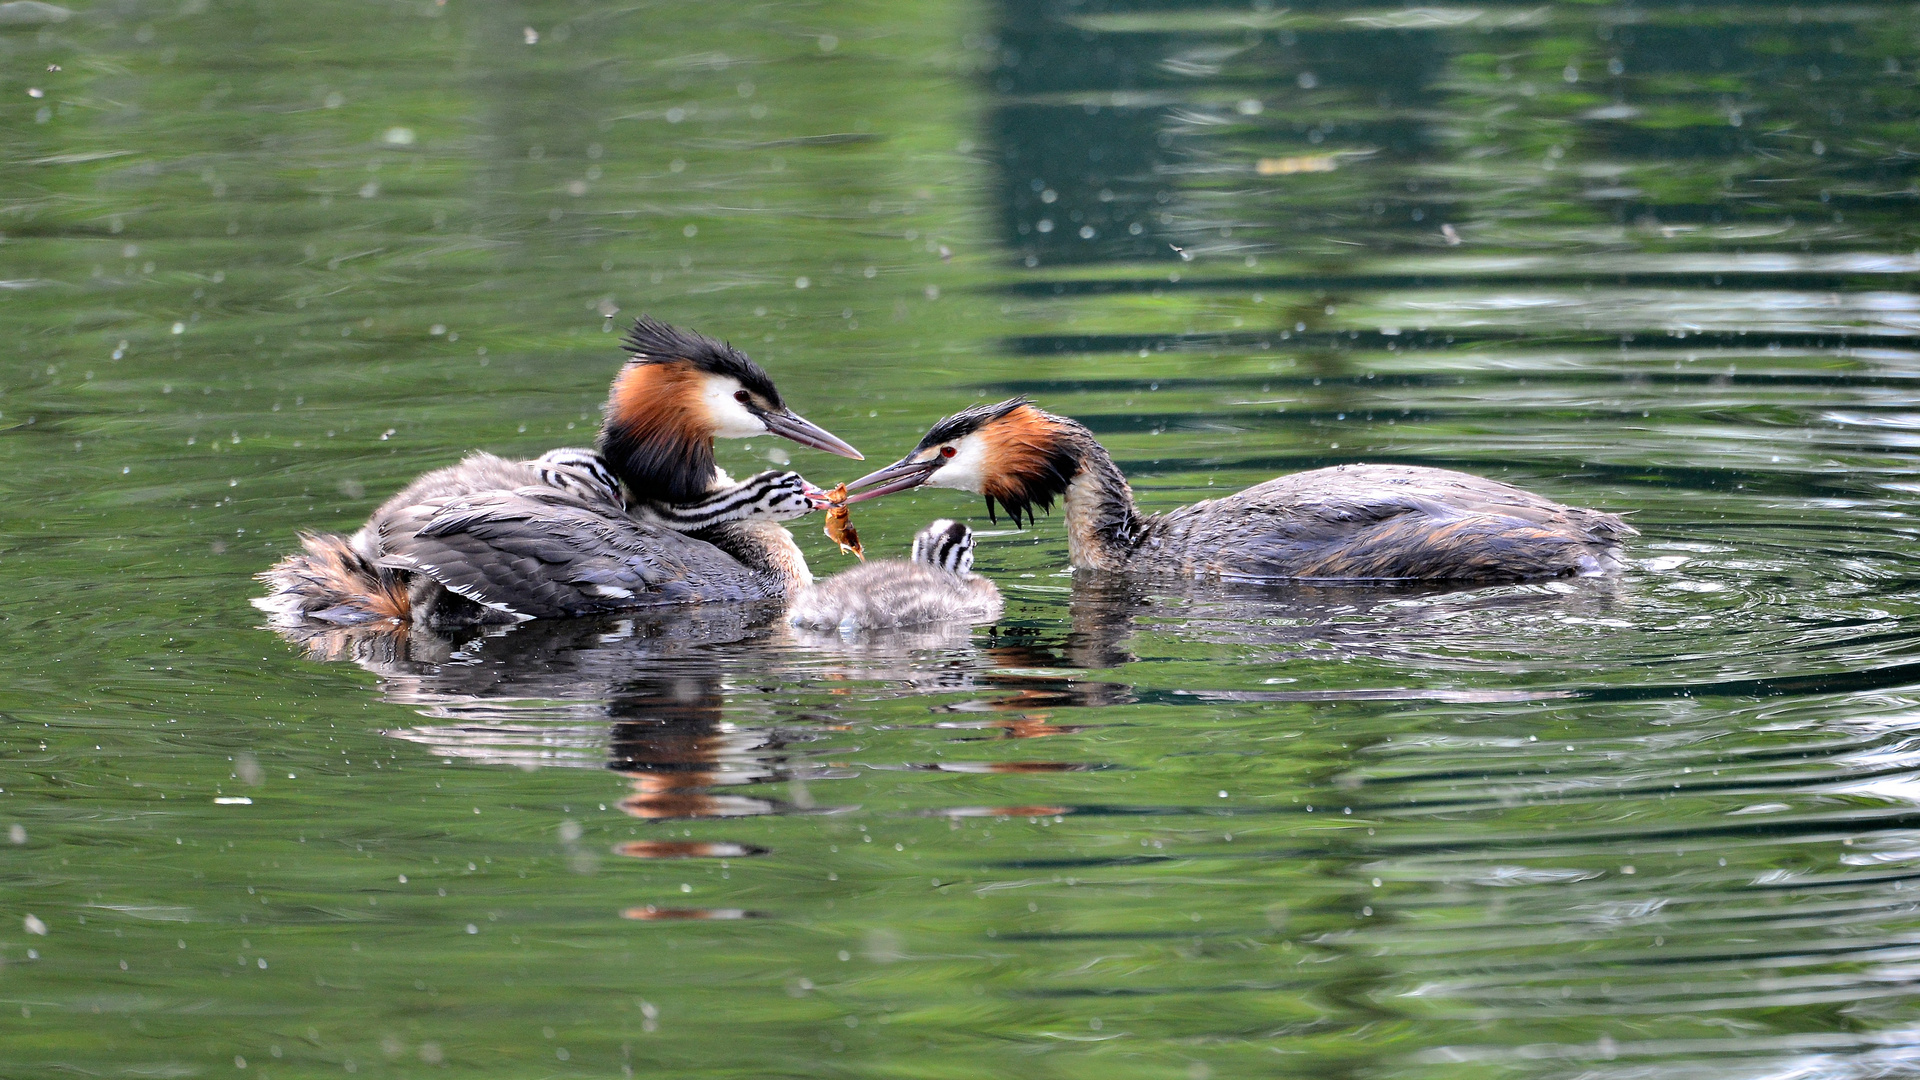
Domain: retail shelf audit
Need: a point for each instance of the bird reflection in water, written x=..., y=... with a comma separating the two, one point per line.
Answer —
x=1018, y=726
x=543, y=693
x=686, y=849
x=672, y=738
x=656, y=694
x=1413, y=626
x=1016, y=684
x=670, y=698
x=649, y=913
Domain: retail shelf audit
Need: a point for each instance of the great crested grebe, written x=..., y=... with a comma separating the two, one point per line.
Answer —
x=648, y=519
x=1345, y=523
x=937, y=586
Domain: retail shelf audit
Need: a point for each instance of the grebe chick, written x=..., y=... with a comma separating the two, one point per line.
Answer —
x=936, y=586
x=647, y=519
x=1345, y=523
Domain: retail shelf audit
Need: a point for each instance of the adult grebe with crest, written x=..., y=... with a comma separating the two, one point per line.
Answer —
x=647, y=518
x=1348, y=523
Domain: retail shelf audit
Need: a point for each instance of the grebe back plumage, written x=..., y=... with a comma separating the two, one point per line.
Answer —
x=536, y=550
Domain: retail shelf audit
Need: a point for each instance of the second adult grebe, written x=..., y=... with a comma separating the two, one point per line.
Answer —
x=1345, y=523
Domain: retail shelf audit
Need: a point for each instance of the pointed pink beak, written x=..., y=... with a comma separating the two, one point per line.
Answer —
x=791, y=425
x=899, y=476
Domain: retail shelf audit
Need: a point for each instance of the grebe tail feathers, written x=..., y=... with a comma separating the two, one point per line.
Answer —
x=330, y=581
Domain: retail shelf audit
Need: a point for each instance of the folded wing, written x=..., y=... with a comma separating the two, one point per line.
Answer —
x=540, y=552
x=1404, y=523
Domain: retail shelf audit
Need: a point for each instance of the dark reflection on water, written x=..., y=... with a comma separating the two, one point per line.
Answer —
x=262, y=268
x=1504, y=852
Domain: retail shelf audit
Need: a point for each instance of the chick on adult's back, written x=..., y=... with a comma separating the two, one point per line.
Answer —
x=647, y=518
x=936, y=586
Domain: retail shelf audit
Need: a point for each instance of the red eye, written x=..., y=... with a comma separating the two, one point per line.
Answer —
x=742, y=396
x=948, y=451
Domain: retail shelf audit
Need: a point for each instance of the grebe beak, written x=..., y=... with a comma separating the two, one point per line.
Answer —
x=791, y=425
x=817, y=496
x=899, y=476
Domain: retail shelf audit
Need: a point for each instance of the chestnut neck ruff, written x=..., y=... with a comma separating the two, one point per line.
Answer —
x=657, y=436
x=1034, y=457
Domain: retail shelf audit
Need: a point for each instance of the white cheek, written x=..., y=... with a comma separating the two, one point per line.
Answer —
x=966, y=469
x=731, y=420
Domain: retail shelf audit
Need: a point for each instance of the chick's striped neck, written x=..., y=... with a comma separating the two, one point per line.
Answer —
x=776, y=496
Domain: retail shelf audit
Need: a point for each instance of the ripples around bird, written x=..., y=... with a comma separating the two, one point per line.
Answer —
x=264, y=267
x=1517, y=812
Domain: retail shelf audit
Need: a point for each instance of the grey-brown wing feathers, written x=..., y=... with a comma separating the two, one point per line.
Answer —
x=1384, y=522
x=536, y=553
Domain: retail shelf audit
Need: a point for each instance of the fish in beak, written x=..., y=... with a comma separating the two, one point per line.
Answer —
x=819, y=497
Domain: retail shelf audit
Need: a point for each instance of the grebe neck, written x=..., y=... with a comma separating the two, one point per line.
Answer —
x=1103, y=524
x=762, y=545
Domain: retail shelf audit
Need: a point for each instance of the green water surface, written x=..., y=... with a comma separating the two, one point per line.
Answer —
x=263, y=262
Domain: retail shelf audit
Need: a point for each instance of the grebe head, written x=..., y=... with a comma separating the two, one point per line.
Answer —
x=1013, y=453
x=679, y=392
x=945, y=544
x=579, y=469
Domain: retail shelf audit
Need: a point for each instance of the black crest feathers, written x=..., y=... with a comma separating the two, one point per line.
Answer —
x=658, y=436
x=967, y=421
x=651, y=341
